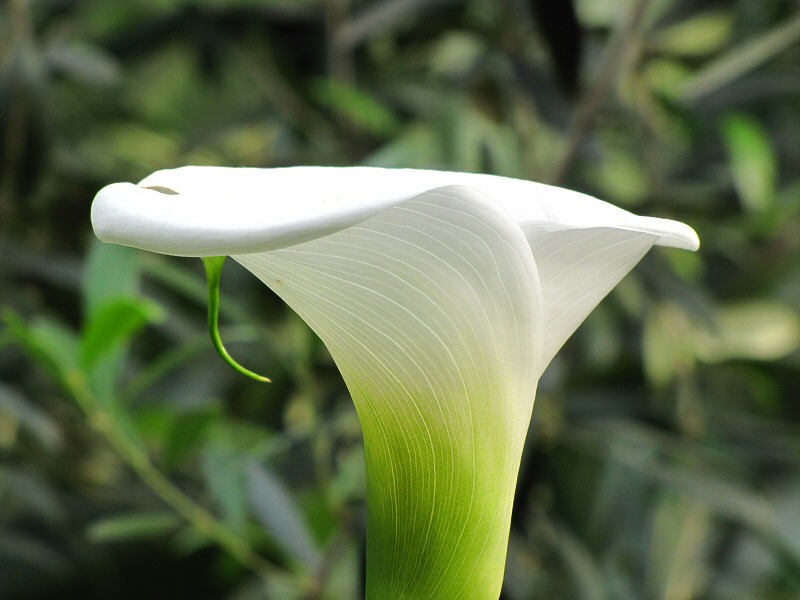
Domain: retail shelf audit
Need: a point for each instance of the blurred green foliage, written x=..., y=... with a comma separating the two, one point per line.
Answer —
x=663, y=461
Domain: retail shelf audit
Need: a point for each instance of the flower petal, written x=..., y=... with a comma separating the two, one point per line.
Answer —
x=207, y=211
x=577, y=269
x=432, y=311
x=210, y=211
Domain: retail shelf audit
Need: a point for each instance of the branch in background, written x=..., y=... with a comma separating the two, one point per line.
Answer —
x=624, y=44
x=341, y=66
x=742, y=59
x=17, y=114
x=203, y=521
x=377, y=17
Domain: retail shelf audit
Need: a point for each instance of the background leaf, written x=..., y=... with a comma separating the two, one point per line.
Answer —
x=276, y=509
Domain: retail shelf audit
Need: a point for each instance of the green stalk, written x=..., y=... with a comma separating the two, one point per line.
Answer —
x=213, y=266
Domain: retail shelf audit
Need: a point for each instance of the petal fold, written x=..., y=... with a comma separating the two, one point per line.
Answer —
x=577, y=269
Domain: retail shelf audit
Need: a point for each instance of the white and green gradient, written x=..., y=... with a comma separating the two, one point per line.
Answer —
x=432, y=311
x=441, y=296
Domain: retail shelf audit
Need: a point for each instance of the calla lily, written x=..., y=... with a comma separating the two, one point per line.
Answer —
x=441, y=296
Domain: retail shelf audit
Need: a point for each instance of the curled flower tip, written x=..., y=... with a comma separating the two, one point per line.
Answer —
x=213, y=265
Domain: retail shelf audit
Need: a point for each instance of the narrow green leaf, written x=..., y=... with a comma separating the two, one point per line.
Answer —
x=111, y=271
x=417, y=146
x=357, y=106
x=186, y=432
x=132, y=526
x=678, y=548
x=113, y=324
x=755, y=330
x=83, y=63
x=667, y=345
x=699, y=35
x=51, y=344
x=753, y=163
x=22, y=550
x=30, y=418
x=578, y=560
x=223, y=466
x=276, y=509
x=36, y=496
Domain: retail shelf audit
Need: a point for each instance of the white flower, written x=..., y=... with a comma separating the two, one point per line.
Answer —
x=441, y=296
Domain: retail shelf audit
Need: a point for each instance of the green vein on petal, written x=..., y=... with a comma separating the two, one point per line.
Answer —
x=432, y=311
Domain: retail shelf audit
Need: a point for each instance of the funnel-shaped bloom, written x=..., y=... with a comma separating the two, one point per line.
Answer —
x=441, y=297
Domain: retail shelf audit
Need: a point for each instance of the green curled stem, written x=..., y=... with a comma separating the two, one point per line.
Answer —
x=213, y=266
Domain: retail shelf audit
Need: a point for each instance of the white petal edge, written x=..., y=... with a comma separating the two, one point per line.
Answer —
x=222, y=210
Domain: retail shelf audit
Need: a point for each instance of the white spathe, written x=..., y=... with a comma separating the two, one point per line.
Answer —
x=248, y=210
x=441, y=296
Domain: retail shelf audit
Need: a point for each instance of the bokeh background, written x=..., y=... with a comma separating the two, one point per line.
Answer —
x=663, y=461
